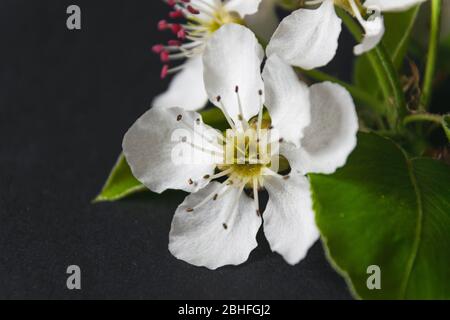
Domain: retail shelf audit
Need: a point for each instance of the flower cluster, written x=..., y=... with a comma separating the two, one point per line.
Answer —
x=272, y=115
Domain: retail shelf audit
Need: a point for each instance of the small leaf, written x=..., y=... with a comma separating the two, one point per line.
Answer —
x=385, y=210
x=120, y=183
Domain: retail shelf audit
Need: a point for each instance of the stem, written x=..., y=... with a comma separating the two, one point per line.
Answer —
x=383, y=67
x=393, y=78
x=356, y=32
x=432, y=53
x=421, y=117
x=356, y=92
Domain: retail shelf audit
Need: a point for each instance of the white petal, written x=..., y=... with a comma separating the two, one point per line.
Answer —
x=233, y=58
x=265, y=21
x=373, y=33
x=243, y=7
x=287, y=99
x=186, y=89
x=331, y=136
x=200, y=238
x=204, y=7
x=307, y=38
x=289, y=223
x=152, y=147
x=392, y=5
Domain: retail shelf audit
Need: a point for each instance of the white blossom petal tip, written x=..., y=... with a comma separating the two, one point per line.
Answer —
x=287, y=100
x=160, y=148
x=214, y=227
x=232, y=64
x=243, y=7
x=307, y=38
x=289, y=223
x=331, y=135
x=186, y=89
x=392, y=5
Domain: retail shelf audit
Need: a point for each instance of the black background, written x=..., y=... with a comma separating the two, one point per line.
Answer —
x=66, y=99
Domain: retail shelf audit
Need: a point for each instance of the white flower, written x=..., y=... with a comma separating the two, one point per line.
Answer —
x=217, y=224
x=201, y=19
x=308, y=38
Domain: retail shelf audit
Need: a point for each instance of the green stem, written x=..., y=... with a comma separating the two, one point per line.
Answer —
x=432, y=53
x=356, y=92
x=393, y=78
x=421, y=117
x=384, y=69
x=356, y=31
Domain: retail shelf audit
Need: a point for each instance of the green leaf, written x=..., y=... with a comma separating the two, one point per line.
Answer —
x=387, y=210
x=399, y=26
x=120, y=183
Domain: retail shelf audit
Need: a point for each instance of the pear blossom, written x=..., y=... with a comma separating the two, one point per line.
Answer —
x=193, y=22
x=308, y=37
x=314, y=128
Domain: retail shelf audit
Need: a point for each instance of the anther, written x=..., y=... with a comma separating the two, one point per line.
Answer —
x=190, y=181
x=164, y=71
x=179, y=117
x=225, y=226
x=192, y=10
x=206, y=176
x=189, y=209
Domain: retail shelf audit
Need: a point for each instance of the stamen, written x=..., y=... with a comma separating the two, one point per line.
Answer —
x=194, y=32
x=260, y=114
x=222, y=190
x=244, y=122
x=230, y=219
x=255, y=195
x=225, y=113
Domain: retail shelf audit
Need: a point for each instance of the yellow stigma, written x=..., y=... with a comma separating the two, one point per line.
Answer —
x=220, y=17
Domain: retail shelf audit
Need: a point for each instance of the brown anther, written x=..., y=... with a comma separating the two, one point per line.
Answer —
x=179, y=117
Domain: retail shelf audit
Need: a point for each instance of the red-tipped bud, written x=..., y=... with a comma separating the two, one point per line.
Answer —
x=176, y=14
x=174, y=43
x=163, y=25
x=164, y=71
x=158, y=48
x=164, y=55
x=181, y=34
x=192, y=10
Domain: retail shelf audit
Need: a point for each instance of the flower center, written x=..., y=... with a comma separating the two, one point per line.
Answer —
x=248, y=152
x=192, y=26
